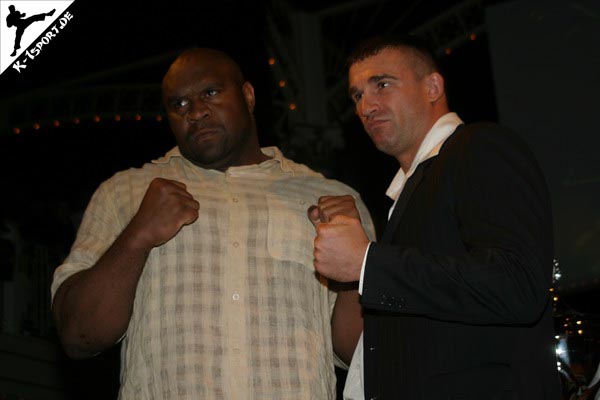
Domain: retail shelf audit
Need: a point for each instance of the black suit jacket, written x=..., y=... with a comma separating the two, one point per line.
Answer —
x=456, y=294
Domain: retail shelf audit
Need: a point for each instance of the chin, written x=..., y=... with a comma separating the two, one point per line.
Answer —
x=379, y=140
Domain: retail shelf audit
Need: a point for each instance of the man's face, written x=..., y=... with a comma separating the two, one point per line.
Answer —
x=210, y=112
x=390, y=101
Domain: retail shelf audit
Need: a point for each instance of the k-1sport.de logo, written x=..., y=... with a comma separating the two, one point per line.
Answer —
x=27, y=27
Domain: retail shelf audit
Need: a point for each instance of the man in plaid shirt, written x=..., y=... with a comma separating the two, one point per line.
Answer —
x=201, y=261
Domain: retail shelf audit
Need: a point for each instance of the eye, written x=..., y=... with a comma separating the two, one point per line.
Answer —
x=356, y=97
x=180, y=103
x=382, y=84
x=211, y=92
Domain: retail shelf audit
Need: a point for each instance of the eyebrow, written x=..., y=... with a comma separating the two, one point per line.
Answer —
x=200, y=86
x=171, y=99
x=373, y=79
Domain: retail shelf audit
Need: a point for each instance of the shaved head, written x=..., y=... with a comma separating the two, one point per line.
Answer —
x=209, y=105
x=205, y=56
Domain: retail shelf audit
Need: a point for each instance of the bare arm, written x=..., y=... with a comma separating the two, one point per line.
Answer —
x=346, y=321
x=92, y=308
x=346, y=324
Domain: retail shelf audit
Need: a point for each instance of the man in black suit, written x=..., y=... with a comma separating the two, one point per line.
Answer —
x=455, y=295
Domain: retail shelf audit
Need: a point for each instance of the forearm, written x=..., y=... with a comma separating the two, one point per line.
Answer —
x=346, y=324
x=92, y=308
x=487, y=286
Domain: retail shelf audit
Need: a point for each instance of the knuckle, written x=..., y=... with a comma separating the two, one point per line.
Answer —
x=323, y=198
x=160, y=182
x=320, y=230
x=155, y=183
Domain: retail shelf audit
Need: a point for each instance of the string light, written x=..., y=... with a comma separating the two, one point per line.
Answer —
x=559, y=351
x=271, y=61
x=448, y=50
x=292, y=106
x=281, y=84
x=556, y=271
x=473, y=36
x=96, y=118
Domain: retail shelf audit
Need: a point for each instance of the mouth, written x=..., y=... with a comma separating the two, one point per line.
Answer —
x=374, y=124
x=200, y=135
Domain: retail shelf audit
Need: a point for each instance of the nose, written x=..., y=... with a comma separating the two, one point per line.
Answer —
x=366, y=107
x=198, y=111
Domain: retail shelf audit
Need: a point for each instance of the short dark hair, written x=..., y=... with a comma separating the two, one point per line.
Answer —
x=420, y=52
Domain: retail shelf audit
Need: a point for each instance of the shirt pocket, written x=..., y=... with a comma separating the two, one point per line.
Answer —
x=290, y=234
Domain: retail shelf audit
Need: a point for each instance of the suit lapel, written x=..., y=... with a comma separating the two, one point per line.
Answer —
x=407, y=192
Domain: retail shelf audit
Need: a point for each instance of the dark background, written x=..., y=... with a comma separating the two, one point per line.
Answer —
x=531, y=65
x=133, y=43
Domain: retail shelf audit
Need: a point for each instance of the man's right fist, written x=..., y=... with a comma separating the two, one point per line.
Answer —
x=166, y=207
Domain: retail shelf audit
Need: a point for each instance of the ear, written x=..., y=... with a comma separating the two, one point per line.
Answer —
x=435, y=86
x=248, y=91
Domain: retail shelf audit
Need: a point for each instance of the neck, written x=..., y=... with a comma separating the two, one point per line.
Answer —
x=407, y=158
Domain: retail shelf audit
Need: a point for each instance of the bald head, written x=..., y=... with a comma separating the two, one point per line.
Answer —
x=209, y=106
x=204, y=58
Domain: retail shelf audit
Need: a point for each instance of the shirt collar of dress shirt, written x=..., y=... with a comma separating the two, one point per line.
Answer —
x=276, y=160
x=430, y=147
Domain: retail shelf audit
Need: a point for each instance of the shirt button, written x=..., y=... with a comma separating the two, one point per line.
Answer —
x=302, y=202
x=235, y=296
x=235, y=244
x=235, y=199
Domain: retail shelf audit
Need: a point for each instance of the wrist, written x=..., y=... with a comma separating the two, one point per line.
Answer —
x=135, y=239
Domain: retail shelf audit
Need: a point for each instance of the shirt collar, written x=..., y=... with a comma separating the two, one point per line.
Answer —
x=276, y=160
x=430, y=147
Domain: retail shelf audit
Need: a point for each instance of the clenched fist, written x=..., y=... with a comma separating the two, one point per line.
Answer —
x=167, y=206
x=341, y=241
